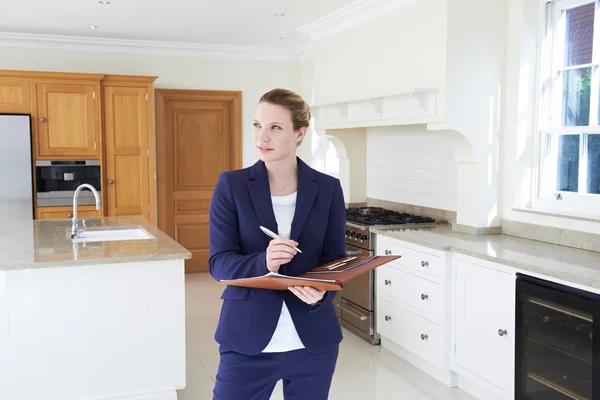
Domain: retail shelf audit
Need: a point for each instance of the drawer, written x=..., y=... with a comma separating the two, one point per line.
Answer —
x=419, y=295
x=65, y=212
x=417, y=335
x=422, y=262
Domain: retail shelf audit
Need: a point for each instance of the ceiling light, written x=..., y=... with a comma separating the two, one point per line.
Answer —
x=92, y=27
x=278, y=37
x=104, y=2
x=279, y=15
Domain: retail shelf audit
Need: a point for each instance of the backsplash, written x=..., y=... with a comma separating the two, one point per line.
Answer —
x=412, y=167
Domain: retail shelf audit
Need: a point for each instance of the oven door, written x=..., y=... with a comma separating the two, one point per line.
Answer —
x=359, y=291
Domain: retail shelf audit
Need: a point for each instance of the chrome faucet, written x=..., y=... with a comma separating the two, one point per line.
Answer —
x=75, y=228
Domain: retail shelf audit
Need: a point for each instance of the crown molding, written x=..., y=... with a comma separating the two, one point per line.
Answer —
x=357, y=13
x=126, y=46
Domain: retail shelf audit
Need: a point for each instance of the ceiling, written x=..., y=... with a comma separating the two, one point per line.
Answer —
x=215, y=22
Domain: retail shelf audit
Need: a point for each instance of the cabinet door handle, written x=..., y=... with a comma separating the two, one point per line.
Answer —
x=502, y=332
x=388, y=252
x=424, y=264
x=424, y=337
x=42, y=119
x=387, y=318
x=424, y=296
x=70, y=215
x=387, y=282
x=111, y=181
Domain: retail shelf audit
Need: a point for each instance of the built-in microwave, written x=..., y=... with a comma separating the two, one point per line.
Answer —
x=57, y=180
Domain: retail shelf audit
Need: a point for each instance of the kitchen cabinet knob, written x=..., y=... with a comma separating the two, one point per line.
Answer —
x=387, y=282
x=424, y=296
x=387, y=318
x=42, y=119
x=70, y=215
x=424, y=337
x=424, y=264
x=502, y=332
x=388, y=252
x=111, y=181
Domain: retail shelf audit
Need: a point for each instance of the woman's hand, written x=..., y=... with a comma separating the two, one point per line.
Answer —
x=307, y=294
x=279, y=252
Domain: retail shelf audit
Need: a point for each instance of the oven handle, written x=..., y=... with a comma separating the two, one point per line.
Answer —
x=354, y=252
x=356, y=314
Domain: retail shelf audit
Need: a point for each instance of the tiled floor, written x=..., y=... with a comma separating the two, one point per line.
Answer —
x=363, y=371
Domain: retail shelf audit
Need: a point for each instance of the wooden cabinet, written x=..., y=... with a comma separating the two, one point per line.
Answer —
x=65, y=212
x=67, y=119
x=77, y=116
x=14, y=95
x=485, y=322
x=128, y=146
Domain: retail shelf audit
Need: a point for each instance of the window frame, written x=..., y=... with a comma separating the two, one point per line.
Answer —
x=549, y=101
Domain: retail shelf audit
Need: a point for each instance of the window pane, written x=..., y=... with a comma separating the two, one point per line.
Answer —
x=593, y=177
x=567, y=176
x=576, y=97
x=579, y=35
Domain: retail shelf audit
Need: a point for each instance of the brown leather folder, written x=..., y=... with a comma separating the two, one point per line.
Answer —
x=326, y=277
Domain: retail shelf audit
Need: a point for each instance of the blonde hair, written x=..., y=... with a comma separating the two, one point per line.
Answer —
x=293, y=102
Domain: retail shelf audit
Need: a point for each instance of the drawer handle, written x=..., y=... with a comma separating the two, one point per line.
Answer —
x=424, y=337
x=387, y=318
x=502, y=332
x=388, y=282
x=424, y=264
x=388, y=252
x=70, y=215
x=424, y=296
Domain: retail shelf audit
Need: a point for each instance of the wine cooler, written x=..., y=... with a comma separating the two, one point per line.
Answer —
x=557, y=347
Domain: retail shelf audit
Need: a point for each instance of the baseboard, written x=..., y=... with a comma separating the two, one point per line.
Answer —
x=167, y=394
x=478, y=391
x=448, y=378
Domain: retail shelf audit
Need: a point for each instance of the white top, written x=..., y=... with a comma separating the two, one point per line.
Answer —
x=285, y=337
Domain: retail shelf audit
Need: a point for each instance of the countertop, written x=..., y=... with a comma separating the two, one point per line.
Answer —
x=572, y=265
x=33, y=244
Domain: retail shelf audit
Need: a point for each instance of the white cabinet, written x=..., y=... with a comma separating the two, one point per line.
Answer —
x=413, y=306
x=484, y=322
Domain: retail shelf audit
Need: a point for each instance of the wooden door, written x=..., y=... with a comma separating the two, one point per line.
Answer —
x=127, y=151
x=14, y=95
x=68, y=119
x=198, y=137
x=485, y=320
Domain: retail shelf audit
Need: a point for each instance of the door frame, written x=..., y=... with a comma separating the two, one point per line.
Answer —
x=164, y=95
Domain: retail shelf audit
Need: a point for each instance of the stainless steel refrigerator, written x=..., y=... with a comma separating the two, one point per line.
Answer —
x=16, y=178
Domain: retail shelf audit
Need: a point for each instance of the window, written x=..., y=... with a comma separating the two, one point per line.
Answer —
x=569, y=127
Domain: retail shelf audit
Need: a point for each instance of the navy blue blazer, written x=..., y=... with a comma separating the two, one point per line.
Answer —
x=240, y=204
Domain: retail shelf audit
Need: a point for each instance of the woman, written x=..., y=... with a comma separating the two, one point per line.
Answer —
x=270, y=335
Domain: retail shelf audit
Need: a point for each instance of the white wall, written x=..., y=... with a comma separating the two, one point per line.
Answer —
x=519, y=122
x=409, y=166
x=403, y=49
x=251, y=77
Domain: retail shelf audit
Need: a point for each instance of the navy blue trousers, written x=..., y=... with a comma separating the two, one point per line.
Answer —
x=305, y=375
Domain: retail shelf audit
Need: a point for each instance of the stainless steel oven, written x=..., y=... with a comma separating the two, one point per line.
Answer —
x=356, y=304
x=57, y=181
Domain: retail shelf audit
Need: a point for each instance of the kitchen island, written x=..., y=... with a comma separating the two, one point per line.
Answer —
x=96, y=318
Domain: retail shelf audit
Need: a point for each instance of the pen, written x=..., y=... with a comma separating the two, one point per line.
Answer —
x=274, y=236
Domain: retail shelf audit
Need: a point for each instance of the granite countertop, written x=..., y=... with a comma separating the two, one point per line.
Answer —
x=32, y=244
x=569, y=264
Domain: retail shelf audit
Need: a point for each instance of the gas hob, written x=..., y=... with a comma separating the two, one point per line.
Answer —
x=359, y=221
